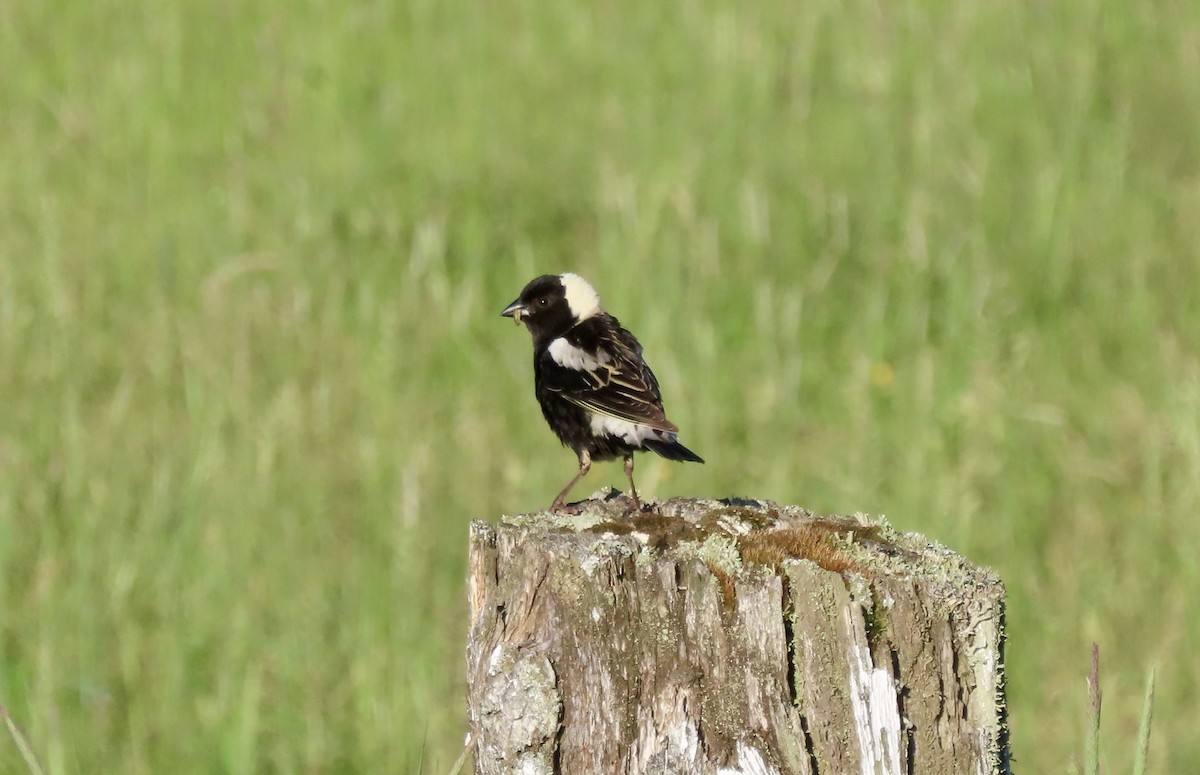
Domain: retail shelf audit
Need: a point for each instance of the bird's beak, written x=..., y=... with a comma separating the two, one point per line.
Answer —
x=514, y=311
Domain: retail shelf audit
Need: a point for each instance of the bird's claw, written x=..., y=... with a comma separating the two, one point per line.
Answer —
x=634, y=505
x=559, y=507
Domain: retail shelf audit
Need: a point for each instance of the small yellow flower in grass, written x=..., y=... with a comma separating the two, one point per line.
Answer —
x=882, y=375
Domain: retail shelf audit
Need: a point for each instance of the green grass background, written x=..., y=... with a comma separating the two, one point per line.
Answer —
x=934, y=260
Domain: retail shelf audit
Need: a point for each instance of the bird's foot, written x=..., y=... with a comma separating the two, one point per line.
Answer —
x=561, y=507
x=634, y=505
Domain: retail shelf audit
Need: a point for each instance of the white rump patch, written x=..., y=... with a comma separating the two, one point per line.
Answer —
x=629, y=432
x=569, y=356
x=581, y=296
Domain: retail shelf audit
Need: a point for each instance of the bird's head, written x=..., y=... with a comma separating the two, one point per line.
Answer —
x=553, y=304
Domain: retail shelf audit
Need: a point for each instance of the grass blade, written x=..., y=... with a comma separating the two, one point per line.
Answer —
x=1091, y=754
x=1143, y=752
x=23, y=746
x=462, y=758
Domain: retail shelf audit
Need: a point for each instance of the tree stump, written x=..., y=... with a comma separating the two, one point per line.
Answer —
x=733, y=636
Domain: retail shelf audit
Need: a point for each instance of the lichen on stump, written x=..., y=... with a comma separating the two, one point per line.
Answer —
x=733, y=636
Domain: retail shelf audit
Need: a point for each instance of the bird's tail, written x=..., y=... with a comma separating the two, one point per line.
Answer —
x=672, y=450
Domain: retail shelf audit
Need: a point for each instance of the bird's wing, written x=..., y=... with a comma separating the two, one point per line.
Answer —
x=616, y=383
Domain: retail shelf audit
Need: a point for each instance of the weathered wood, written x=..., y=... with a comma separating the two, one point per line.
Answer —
x=723, y=637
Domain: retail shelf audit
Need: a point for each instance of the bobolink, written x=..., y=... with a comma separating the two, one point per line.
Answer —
x=596, y=392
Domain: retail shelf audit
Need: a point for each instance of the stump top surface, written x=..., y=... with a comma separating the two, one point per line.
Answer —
x=735, y=535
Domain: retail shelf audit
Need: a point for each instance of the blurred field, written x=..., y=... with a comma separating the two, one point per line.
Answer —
x=933, y=260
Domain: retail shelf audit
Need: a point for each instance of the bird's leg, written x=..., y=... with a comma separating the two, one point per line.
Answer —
x=585, y=463
x=637, y=504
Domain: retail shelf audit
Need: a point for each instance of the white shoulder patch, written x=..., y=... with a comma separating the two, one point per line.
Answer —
x=581, y=296
x=569, y=356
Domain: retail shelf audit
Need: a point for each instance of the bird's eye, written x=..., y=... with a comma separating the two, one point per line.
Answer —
x=543, y=301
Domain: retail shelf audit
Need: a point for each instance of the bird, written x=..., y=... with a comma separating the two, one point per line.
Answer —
x=595, y=390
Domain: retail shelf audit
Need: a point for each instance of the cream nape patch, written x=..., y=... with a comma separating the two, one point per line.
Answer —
x=581, y=296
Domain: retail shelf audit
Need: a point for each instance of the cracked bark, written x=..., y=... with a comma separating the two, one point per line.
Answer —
x=723, y=637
